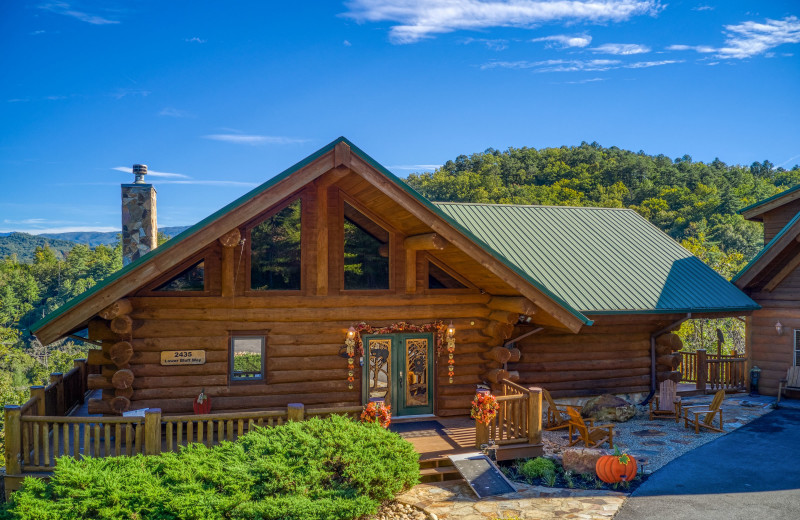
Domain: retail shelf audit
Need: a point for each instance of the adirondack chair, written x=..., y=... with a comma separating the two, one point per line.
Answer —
x=692, y=414
x=790, y=382
x=557, y=417
x=666, y=404
x=591, y=435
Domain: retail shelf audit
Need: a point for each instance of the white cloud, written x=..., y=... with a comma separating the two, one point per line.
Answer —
x=195, y=39
x=575, y=65
x=564, y=41
x=703, y=8
x=173, y=112
x=347, y=43
x=65, y=9
x=35, y=33
x=749, y=39
x=153, y=173
x=493, y=44
x=584, y=81
x=212, y=183
x=419, y=19
x=253, y=139
x=621, y=49
x=124, y=92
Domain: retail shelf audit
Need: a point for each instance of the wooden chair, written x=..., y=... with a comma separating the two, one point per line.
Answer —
x=692, y=414
x=591, y=435
x=557, y=416
x=666, y=404
x=790, y=382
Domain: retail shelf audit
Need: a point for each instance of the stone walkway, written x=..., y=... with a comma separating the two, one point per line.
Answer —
x=455, y=501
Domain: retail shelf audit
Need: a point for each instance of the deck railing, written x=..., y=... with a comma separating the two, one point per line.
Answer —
x=34, y=441
x=519, y=419
x=725, y=371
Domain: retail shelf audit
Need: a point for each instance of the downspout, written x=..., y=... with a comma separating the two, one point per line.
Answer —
x=653, y=336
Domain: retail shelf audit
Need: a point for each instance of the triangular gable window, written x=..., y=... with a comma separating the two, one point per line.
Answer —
x=191, y=279
x=275, y=251
x=366, y=252
x=438, y=278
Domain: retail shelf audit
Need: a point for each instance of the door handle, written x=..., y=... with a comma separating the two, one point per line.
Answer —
x=401, y=377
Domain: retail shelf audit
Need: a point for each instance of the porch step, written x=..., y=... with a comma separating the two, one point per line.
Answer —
x=438, y=470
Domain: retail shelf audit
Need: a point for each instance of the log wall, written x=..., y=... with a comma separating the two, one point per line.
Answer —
x=772, y=353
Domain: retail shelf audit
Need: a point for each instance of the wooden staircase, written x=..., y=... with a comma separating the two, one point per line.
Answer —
x=438, y=469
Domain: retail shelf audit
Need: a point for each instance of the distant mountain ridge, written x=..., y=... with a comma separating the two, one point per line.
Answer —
x=95, y=238
x=24, y=244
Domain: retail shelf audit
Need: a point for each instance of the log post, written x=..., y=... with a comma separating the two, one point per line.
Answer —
x=57, y=379
x=80, y=364
x=481, y=434
x=152, y=431
x=498, y=354
x=229, y=241
x=13, y=434
x=426, y=242
x=37, y=392
x=295, y=412
x=534, y=415
x=702, y=370
x=118, y=308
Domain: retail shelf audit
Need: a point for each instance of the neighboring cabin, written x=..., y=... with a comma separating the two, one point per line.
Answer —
x=264, y=291
x=772, y=279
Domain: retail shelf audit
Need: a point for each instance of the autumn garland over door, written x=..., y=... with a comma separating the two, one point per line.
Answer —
x=399, y=369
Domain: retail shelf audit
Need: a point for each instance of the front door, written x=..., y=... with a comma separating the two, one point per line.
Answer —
x=399, y=369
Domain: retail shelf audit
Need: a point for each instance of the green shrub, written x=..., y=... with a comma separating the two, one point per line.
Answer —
x=537, y=468
x=316, y=469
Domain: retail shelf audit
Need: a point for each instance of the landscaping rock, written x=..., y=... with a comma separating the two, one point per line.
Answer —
x=581, y=460
x=401, y=511
x=608, y=407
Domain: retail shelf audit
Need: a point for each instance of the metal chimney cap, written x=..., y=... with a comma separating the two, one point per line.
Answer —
x=139, y=171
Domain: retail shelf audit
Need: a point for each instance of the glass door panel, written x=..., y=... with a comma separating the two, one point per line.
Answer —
x=379, y=368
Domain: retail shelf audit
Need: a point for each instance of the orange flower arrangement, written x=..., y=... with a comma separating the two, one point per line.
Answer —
x=484, y=407
x=377, y=412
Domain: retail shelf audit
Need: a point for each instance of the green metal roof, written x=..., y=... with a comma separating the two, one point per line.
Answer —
x=601, y=260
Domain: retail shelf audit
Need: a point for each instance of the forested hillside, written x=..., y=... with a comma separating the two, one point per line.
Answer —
x=23, y=245
x=686, y=199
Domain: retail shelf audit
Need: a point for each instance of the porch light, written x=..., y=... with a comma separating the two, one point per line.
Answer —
x=351, y=332
x=779, y=328
x=451, y=330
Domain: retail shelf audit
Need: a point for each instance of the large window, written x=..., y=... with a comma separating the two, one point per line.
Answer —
x=366, y=252
x=192, y=279
x=275, y=251
x=248, y=358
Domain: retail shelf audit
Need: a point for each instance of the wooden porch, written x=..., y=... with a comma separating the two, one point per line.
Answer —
x=55, y=422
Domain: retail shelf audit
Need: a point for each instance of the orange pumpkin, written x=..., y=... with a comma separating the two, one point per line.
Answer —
x=616, y=468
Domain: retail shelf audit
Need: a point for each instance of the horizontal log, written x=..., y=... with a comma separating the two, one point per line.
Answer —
x=498, y=330
x=123, y=378
x=496, y=375
x=231, y=238
x=454, y=389
x=671, y=340
x=122, y=325
x=116, y=309
x=513, y=375
x=98, y=382
x=588, y=386
x=573, y=355
x=188, y=342
x=578, y=377
x=99, y=330
x=178, y=381
x=516, y=355
x=310, y=363
x=498, y=354
x=504, y=317
x=426, y=242
x=518, y=305
x=258, y=403
x=450, y=402
x=593, y=364
x=268, y=301
x=779, y=357
x=244, y=390
x=120, y=404
x=642, y=388
x=207, y=369
x=123, y=392
x=584, y=343
x=121, y=353
x=674, y=376
x=99, y=406
x=315, y=315
x=663, y=350
x=671, y=360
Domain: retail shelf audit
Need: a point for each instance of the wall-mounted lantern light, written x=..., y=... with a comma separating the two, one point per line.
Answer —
x=779, y=328
x=451, y=330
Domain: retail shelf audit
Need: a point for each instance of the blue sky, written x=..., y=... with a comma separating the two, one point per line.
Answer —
x=217, y=97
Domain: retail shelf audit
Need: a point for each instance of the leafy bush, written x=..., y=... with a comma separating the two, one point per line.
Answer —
x=316, y=469
x=537, y=468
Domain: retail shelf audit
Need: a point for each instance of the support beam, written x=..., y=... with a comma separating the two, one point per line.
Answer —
x=229, y=241
x=512, y=304
x=783, y=273
x=411, y=271
x=118, y=308
x=426, y=242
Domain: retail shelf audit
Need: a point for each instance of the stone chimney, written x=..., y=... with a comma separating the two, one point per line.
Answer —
x=139, y=228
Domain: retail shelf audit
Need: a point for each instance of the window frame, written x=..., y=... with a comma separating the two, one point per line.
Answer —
x=304, y=245
x=211, y=268
x=430, y=259
x=245, y=334
x=796, y=349
x=339, y=246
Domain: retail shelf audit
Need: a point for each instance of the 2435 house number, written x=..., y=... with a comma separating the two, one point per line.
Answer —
x=183, y=357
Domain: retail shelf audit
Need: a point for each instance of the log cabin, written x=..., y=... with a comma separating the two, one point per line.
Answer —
x=772, y=279
x=334, y=283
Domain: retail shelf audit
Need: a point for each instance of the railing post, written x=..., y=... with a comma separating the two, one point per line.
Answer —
x=81, y=365
x=481, y=434
x=57, y=379
x=295, y=412
x=152, y=431
x=37, y=392
x=534, y=415
x=13, y=432
x=702, y=370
